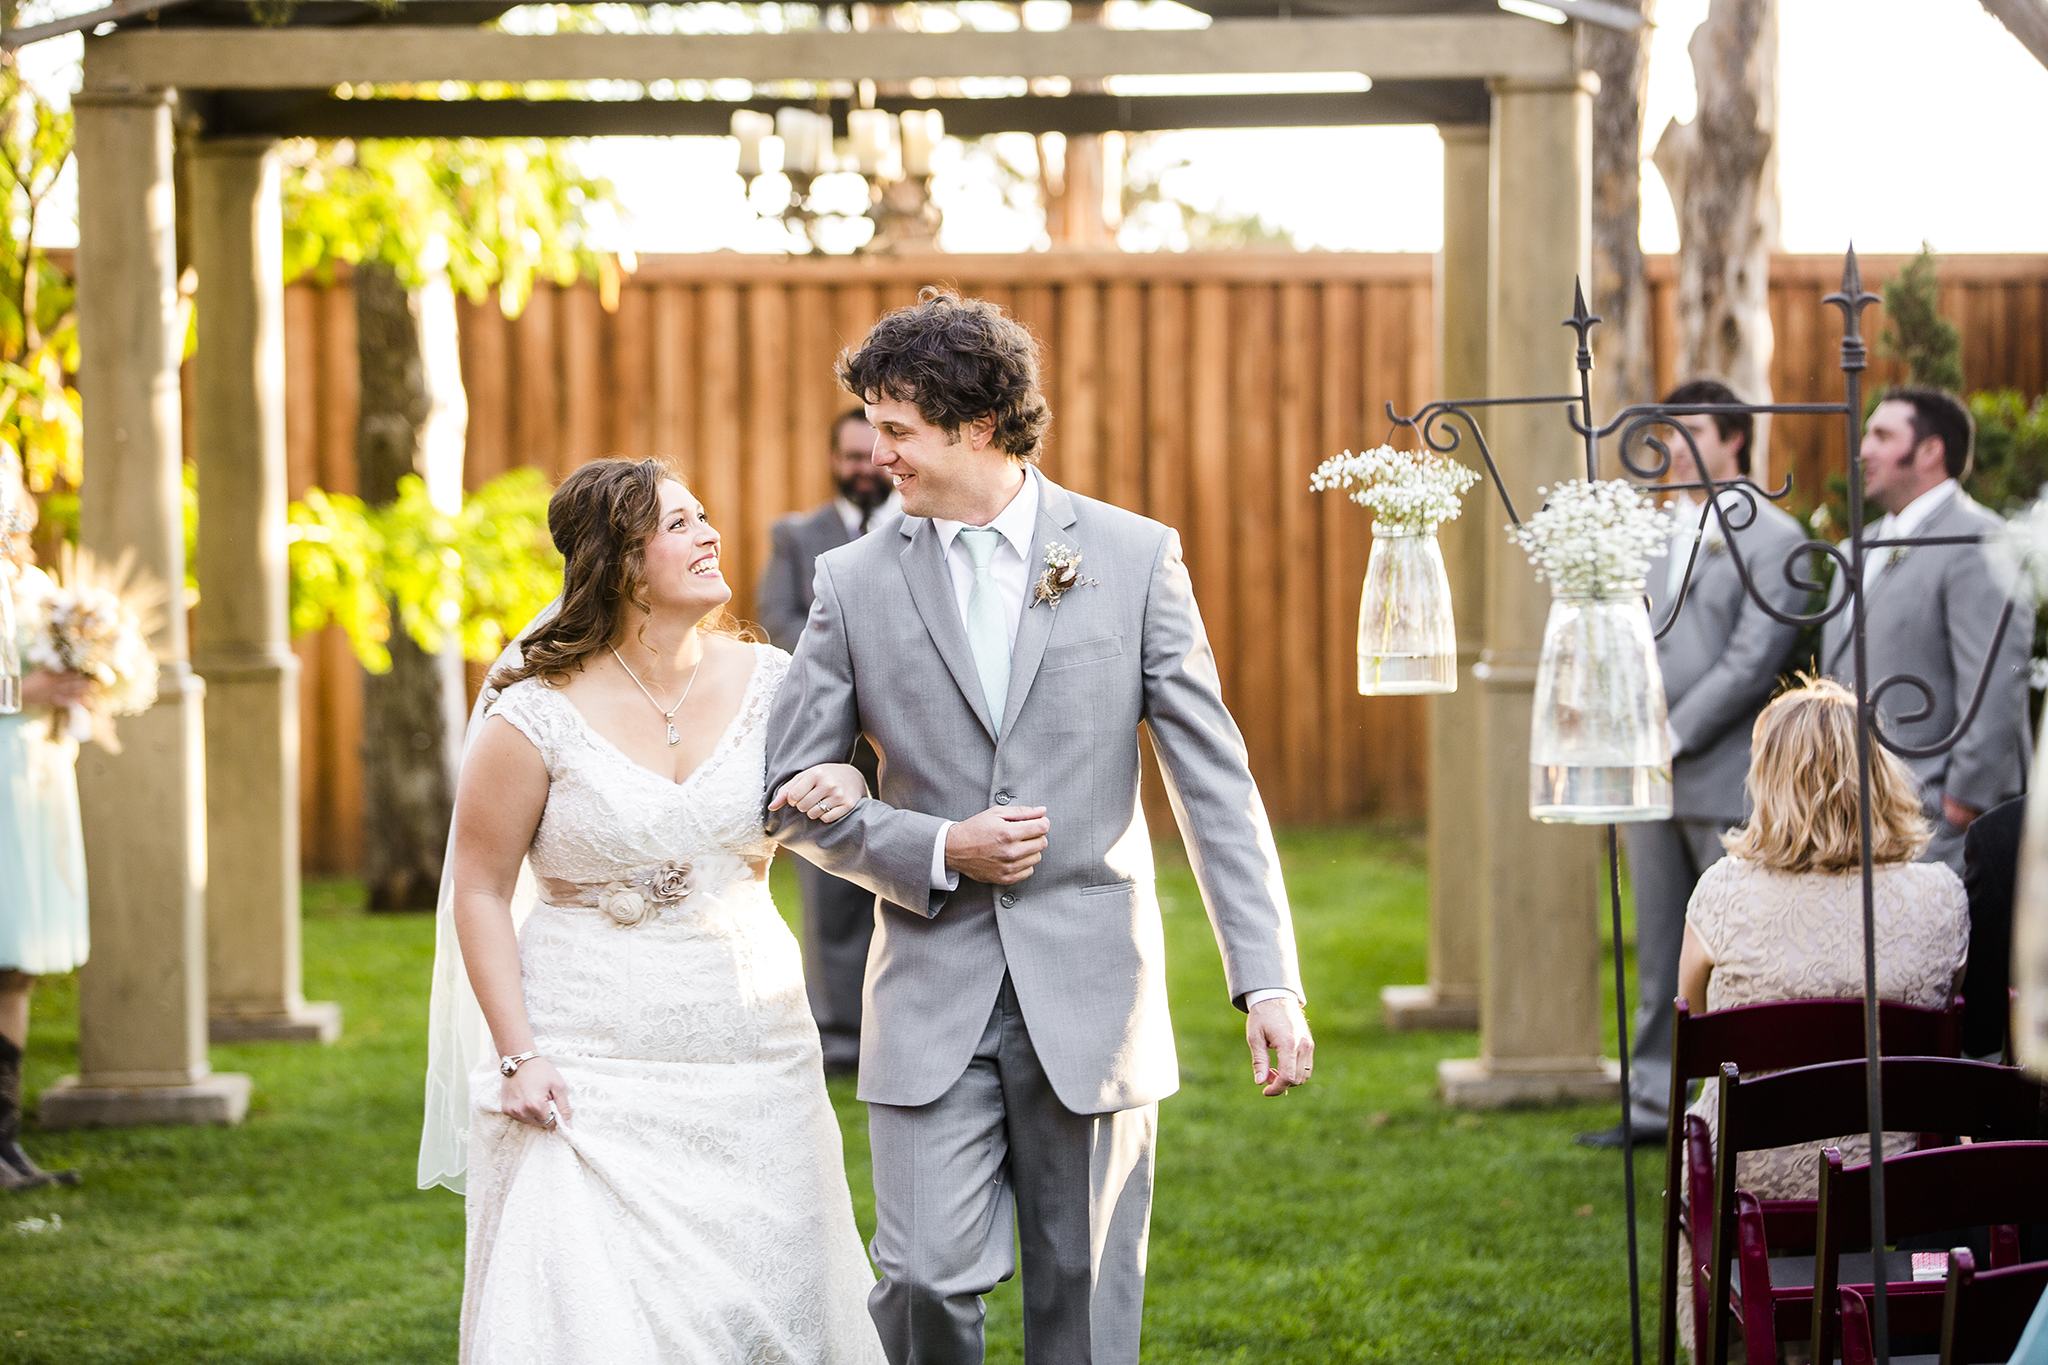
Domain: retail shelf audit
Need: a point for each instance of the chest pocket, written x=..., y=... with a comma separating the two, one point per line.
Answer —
x=1081, y=652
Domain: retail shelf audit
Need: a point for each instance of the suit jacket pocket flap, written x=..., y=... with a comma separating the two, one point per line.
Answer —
x=1081, y=652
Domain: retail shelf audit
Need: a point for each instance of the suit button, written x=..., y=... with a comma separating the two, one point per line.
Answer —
x=1007, y=899
x=1002, y=798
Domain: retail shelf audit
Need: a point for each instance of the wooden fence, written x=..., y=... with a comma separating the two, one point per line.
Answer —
x=1197, y=389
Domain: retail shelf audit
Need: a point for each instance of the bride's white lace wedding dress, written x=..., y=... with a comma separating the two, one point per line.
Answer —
x=696, y=1207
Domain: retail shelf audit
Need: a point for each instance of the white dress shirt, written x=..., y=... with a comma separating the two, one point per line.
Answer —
x=1010, y=566
x=1906, y=522
x=850, y=515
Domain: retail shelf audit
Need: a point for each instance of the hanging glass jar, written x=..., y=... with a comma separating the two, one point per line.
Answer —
x=1599, y=741
x=1407, y=640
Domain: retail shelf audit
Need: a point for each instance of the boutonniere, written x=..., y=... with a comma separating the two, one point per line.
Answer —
x=1062, y=574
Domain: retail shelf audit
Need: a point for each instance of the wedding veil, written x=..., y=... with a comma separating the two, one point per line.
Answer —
x=457, y=1037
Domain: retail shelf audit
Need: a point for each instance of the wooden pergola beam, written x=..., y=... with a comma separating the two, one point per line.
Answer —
x=315, y=113
x=1395, y=47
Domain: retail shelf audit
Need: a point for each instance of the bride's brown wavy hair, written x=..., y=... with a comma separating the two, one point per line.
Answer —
x=600, y=518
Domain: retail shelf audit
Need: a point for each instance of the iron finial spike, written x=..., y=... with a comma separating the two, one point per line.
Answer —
x=1583, y=323
x=1852, y=299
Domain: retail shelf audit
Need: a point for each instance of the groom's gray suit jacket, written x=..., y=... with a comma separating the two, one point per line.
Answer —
x=885, y=654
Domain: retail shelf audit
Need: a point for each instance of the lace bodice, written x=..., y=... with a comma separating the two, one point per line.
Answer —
x=1799, y=936
x=606, y=814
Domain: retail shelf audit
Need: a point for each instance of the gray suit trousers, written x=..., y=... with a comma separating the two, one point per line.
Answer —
x=998, y=1162
x=839, y=922
x=1665, y=860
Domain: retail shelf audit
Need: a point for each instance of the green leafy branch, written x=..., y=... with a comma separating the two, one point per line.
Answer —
x=477, y=575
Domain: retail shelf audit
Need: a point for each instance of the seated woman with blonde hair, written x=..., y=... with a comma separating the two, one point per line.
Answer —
x=1781, y=917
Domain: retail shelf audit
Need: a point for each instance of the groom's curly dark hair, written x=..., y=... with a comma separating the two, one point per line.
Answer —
x=958, y=360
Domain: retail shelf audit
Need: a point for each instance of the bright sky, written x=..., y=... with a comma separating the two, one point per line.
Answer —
x=1933, y=134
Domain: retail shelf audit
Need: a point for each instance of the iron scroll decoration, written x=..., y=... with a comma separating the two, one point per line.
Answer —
x=1438, y=426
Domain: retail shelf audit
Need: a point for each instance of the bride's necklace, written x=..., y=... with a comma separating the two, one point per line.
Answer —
x=670, y=714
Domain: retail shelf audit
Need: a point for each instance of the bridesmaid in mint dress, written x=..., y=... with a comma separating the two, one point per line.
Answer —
x=42, y=852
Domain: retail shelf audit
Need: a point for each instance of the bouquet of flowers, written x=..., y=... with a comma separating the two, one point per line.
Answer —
x=94, y=622
x=1593, y=539
x=1409, y=491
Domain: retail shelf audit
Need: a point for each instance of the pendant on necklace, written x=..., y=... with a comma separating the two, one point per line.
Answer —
x=673, y=737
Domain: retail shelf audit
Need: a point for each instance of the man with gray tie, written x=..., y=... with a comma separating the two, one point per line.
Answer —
x=1720, y=661
x=839, y=917
x=1002, y=648
x=1931, y=611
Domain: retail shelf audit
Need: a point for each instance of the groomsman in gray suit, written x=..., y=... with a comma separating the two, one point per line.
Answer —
x=1931, y=611
x=839, y=916
x=1720, y=661
x=1001, y=649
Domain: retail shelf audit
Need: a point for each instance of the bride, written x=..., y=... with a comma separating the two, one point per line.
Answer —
x=654, y=1170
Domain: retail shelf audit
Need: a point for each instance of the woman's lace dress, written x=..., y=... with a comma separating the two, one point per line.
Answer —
x=1799, y=936
x=695, y=1208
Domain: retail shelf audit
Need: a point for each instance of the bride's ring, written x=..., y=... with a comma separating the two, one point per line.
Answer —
x=553, y=1116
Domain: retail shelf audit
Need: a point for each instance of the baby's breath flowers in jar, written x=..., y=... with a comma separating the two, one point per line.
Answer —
x=1407, y=639
x=1599, y=744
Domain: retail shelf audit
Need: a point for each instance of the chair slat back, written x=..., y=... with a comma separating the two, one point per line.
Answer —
x=1931, y=1191
x=1979, y=1100
x=1782, y=1034
x=1984, y=1315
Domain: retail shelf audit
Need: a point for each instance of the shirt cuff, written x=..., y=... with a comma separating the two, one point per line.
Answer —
x=1254, y=997
x=943, y=879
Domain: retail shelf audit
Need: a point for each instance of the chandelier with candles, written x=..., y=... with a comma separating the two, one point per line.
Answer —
x=821, y=187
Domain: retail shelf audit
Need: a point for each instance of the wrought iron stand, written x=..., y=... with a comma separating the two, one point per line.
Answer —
x=1433, y=425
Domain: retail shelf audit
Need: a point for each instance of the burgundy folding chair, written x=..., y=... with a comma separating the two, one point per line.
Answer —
x=1756, y=1243
x=1986, y=1184
x=1767, y=1037
x=1982, y=1316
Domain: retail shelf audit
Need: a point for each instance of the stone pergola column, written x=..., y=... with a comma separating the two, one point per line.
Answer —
x=242, y=645
x=1457, y=766
x=1539, y=1031
x=142, y=996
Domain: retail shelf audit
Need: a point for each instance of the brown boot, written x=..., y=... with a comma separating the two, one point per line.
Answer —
x=17, y=1172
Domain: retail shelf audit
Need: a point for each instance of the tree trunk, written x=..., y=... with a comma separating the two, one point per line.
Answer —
x=2026, y=20
x=1623, y=373
x=1722, y=172
x=408, y=791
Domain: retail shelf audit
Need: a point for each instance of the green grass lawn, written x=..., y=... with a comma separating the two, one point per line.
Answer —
x=1355, y=1221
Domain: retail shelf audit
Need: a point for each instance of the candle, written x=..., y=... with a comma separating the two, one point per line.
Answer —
x=870, y=130
x=751, y=127
x=798, y=129
x=922, y=130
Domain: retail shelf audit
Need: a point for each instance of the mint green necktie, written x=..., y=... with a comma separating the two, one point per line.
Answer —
x=988, y=632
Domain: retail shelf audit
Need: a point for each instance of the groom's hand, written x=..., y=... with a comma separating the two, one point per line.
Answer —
x=1277, y=1026
x=998, y=846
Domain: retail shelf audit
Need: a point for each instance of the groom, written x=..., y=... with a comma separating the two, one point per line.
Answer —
x=1000, y=652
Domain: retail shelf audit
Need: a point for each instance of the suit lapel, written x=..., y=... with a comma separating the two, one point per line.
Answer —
x=1055, y=522
x=1886, y=584
x=931, y=588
